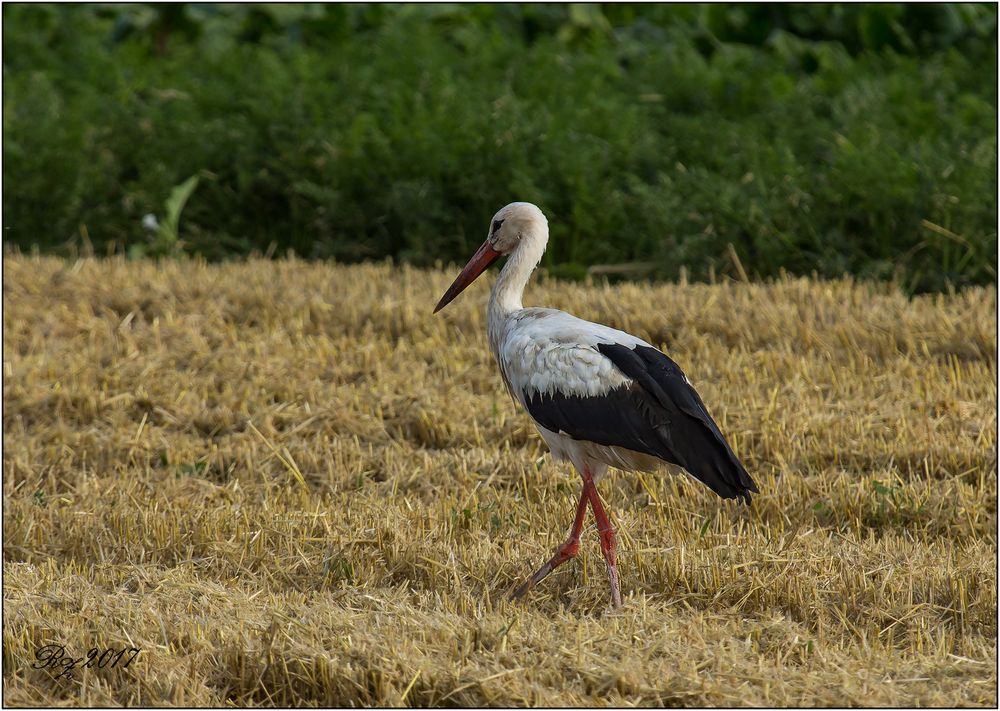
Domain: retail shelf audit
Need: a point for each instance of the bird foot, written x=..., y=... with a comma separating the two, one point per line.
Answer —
x=616, y=594
x=563, y=553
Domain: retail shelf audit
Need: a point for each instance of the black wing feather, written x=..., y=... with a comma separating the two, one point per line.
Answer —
x=660, y=414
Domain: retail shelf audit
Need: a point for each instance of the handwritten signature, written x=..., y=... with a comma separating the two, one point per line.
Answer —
x=53, y=656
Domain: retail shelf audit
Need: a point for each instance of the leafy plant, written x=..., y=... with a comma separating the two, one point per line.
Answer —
x=167, y=241
x=894, y=504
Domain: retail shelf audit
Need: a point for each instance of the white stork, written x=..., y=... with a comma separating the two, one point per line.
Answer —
x=599, y=397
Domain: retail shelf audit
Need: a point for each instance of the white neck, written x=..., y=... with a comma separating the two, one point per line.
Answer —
x=505, y=299
x=506, y=295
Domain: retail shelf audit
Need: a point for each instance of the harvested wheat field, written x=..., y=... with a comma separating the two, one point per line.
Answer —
x=287, y=483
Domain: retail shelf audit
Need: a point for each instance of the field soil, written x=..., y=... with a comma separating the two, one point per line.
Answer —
x=288, y=483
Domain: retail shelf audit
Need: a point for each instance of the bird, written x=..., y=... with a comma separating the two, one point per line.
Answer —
x=599, y=397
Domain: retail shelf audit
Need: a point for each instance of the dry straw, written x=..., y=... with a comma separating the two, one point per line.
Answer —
x=355, y=544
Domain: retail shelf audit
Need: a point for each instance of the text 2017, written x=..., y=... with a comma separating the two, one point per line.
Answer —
x=53, y=656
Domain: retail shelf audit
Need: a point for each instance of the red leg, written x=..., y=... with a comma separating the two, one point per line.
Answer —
x=563, y=553
x=608, y=546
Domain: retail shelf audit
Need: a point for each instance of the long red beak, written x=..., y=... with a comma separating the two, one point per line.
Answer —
x=483, y=258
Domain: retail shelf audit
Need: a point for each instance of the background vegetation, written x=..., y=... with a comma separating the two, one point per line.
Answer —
x=289, y=485
x=835, y=138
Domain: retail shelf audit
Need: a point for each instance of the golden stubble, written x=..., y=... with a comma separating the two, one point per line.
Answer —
x=287, y=483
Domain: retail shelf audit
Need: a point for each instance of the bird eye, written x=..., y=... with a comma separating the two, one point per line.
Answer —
x=496, y=226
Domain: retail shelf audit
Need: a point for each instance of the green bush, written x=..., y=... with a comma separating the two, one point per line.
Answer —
x=856, y=139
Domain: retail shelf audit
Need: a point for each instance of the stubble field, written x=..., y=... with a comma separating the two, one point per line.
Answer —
x=287, y=483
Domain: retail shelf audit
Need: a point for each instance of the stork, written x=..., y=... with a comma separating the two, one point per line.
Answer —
x=599, y=397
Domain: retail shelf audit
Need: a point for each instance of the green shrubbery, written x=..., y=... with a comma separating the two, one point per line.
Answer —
x=855, y=139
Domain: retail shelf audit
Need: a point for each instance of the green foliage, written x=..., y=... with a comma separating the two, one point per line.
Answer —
x=192, y=469
x=894, y=504
x=168, y=240
x=834, y=138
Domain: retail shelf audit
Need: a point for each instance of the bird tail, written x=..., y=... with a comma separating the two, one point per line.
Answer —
x=719, y=469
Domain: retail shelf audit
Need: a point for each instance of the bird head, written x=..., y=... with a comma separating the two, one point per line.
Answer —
x=514, y=225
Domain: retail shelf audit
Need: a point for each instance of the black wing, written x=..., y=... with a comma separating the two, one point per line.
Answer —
x=659, y=414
